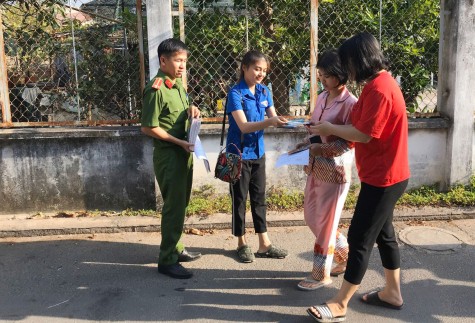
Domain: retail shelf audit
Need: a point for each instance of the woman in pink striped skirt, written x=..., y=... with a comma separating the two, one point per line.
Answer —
x=329, y=175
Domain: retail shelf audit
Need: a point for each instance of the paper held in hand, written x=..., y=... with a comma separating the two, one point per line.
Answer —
x=298, y=158
x=194, y=130
x=200, y=153
x=193, y=138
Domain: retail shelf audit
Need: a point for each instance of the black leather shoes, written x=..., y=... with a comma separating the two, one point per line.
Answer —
x=187, y=256
x=175, y=271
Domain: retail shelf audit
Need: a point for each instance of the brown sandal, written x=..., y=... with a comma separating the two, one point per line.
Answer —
x=338, y=269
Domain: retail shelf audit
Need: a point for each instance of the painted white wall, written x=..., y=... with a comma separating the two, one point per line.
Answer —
x=473, y=150
x=276, y=143
x=109, y=168
x=427, y=149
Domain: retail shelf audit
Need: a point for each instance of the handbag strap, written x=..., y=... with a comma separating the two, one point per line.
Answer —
x=224, y=125
x=231, y=144
x=224, y=121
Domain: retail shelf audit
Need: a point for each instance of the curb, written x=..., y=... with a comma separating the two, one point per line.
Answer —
x=115, y=228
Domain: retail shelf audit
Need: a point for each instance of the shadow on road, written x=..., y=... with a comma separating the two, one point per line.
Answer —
x=118, y=281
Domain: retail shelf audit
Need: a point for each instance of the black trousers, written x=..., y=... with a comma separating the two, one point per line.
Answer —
x=252, y=181
x=373, y=222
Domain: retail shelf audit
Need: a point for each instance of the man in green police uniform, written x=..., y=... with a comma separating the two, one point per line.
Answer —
x=165, y=118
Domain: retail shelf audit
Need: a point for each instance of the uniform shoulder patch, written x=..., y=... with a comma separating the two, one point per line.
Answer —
x=157, y=83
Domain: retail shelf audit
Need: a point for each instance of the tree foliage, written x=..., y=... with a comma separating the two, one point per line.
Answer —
x=409, y=36
x=105, y=60
x=281, y=29
x=27, y=28
x=217, y=40
x=277, y=28
x=108, y=72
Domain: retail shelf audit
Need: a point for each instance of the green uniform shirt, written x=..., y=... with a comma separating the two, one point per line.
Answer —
x=165, y=106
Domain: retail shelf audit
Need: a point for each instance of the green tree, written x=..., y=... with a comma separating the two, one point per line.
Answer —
x=27, y=28
x=281, y=29
x=107, y=64
x=108, y=73
x=282, y=23
x=410, y=39
x=409, y=36
x=275, y=28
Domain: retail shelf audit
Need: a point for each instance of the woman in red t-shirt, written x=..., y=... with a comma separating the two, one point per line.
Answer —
x=379, y=130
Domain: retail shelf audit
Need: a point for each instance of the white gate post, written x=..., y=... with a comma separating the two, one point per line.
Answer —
x=159, y=28
x=456, y=87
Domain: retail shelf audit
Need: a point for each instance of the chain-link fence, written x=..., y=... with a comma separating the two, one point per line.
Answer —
x=72, y=62
x=77, y=61
x=220, y=32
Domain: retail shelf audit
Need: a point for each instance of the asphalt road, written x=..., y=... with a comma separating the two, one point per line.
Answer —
x=113, y=278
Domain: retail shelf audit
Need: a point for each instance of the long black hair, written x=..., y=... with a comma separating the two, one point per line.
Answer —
x=170, y=46
x=329, y=62
x=250, y=58
x=362, y=57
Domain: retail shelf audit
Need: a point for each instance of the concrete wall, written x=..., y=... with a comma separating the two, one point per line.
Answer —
x=455, y=99
x=277, y=141
x=109, y=168
x=427, y=151
x=75, y=169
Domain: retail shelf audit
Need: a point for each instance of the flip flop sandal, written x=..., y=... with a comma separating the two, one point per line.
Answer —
x=273, y=252
x=311, y=284
x=372, y=298
x=325, y=314
x=338, y=270
x=245, y=254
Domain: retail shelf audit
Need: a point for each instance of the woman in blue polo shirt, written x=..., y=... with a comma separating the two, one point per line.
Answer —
x=247, y=103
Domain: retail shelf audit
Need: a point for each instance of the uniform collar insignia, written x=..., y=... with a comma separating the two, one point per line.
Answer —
x=168, y=83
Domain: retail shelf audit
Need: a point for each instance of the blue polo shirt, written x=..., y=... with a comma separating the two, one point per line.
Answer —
x=254, y=107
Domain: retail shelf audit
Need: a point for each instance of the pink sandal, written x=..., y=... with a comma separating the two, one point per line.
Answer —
x=311, y=284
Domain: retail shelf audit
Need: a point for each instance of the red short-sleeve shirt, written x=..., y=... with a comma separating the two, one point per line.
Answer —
x=381, y=113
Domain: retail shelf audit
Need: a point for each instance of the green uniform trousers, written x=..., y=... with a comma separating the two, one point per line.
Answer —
x=174, y=172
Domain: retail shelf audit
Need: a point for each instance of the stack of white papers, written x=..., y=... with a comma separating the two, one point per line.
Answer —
x=195, y=125
x=200, y=153
x=294, y=123
x=193, y=138
x=300, y=158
